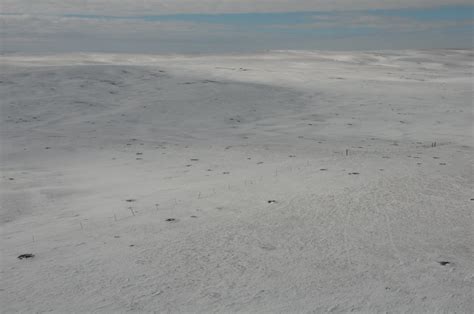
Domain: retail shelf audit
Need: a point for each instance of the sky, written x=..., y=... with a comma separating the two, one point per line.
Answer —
x=232, y=26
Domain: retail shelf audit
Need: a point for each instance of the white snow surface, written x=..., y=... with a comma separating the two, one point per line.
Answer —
x=367, y=156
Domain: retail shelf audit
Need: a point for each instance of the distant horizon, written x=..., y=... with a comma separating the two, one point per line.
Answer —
x=133, y=30
x=228, y=53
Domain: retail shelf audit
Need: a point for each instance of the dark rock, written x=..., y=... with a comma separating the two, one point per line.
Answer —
x=27, y=255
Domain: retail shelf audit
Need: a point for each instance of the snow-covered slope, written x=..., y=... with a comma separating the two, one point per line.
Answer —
x=284, y=182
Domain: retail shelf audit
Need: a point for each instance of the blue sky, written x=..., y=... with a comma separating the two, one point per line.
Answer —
x=155, y=31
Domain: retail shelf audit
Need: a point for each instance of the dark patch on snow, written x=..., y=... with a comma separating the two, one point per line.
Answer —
x=25, y=256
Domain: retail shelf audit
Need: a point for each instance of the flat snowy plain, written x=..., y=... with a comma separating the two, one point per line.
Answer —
x=277, y=182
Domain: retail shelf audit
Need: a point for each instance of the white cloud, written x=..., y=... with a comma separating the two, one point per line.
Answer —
x=25, y=24
x=157, y=7
x=368, y=21
x=49, y=34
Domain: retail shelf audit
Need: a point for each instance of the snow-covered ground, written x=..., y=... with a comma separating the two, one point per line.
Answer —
x=294, y=182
